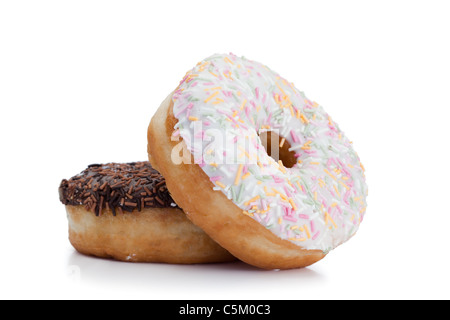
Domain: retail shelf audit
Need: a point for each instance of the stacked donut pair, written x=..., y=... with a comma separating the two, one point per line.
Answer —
x=248, y=168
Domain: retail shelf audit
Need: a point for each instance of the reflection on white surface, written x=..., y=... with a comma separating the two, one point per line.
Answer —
x=200, y=281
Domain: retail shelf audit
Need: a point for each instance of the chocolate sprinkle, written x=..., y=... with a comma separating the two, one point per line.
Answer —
x=121, y=187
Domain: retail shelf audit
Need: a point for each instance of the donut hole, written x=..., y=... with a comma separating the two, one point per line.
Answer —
x=268, y=138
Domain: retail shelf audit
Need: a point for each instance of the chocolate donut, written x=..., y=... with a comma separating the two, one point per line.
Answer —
x=125, y=212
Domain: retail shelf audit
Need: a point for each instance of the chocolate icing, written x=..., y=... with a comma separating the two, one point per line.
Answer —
x=121, y=187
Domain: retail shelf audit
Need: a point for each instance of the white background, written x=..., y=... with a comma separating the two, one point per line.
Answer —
x=80, y=80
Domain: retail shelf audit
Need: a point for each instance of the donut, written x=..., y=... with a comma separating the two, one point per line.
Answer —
x=124, y=211
x=263, y=170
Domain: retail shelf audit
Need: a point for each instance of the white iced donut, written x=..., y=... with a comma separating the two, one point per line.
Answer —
x=312, y=199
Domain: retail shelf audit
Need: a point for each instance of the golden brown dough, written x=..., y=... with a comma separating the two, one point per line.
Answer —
x=151, y=235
